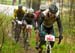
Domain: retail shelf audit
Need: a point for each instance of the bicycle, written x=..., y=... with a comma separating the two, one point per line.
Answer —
x=47, y=47
x=27, y=37
x=16, y=29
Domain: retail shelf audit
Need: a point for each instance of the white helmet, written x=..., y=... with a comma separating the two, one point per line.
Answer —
x=30, y=10
x=43, y=7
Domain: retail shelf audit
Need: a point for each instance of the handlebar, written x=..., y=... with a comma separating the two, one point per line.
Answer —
x=59, y=40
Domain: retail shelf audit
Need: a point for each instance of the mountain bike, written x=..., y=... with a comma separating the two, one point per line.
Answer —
x=27, y=37
x=47, y=47
x=16, y=29
x=49, y=38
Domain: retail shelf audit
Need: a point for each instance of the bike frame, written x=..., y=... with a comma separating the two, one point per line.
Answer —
x=27, y=37
x=17, y=26
x=48, y=48
x=48, y=45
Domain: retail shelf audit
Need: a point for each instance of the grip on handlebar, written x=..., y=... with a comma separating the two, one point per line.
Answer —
x=59, y=40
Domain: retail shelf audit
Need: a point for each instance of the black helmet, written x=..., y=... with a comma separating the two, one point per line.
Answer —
x=53, y=9
x=20, y=6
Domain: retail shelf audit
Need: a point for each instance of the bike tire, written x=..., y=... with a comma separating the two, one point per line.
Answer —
x=25, y=41
x=17, y=33
x=49, y=49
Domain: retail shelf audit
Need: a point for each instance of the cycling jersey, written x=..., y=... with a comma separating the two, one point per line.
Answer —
x=29, y=18
x=37, y=14
x=19, y=13
x=47, y=23
x=47, y=20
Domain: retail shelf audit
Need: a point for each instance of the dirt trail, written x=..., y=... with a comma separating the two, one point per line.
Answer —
x=31, y=50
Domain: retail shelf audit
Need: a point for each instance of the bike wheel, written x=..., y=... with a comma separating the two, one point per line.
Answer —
x=26, y=41
x=17, y=33
x=41, y=50
x=49, y=49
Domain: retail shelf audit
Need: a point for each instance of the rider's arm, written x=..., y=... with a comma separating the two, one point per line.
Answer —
x=24, y=17
x=59, y=25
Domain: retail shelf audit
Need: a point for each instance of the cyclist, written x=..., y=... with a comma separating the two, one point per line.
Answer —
x=29, y=18
x=46, y=21
x=18, y=15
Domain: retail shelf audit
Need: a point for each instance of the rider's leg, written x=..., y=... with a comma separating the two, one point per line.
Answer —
x=40, y=33
x=37, y=36
x=17, y=33
x=42, y=42
x=52, y=44
x=29, y=35
x=30, y=30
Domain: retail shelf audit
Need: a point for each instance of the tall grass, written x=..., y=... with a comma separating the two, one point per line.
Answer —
x=8, y=45
x=67, y=45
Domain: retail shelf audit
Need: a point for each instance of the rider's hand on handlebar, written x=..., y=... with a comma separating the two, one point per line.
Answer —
x=24, y=22
x=60, y=38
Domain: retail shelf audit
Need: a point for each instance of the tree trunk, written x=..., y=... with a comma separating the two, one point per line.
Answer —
x=36, y=4
x=13, y=2
x=19, y=1
x=28, y=3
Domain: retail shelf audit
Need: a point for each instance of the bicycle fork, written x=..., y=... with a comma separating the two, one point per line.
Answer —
x=48, y=47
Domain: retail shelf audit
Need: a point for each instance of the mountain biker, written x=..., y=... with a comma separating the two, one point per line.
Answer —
x=29, y=18
x=46, y=21
x=18, y=15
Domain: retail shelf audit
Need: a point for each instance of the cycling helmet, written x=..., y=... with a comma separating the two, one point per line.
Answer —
x=43, y=7
x=53, y=9
x=30, y=10
x=19, y=6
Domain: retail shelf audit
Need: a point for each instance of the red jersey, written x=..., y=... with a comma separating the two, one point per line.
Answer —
x=37, y=13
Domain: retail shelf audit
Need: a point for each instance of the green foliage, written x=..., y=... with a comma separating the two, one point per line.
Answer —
x=9, y=2
x=9, y=46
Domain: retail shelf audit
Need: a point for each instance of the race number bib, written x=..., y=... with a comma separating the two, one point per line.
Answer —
x=29, y=26
x=49, y=38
